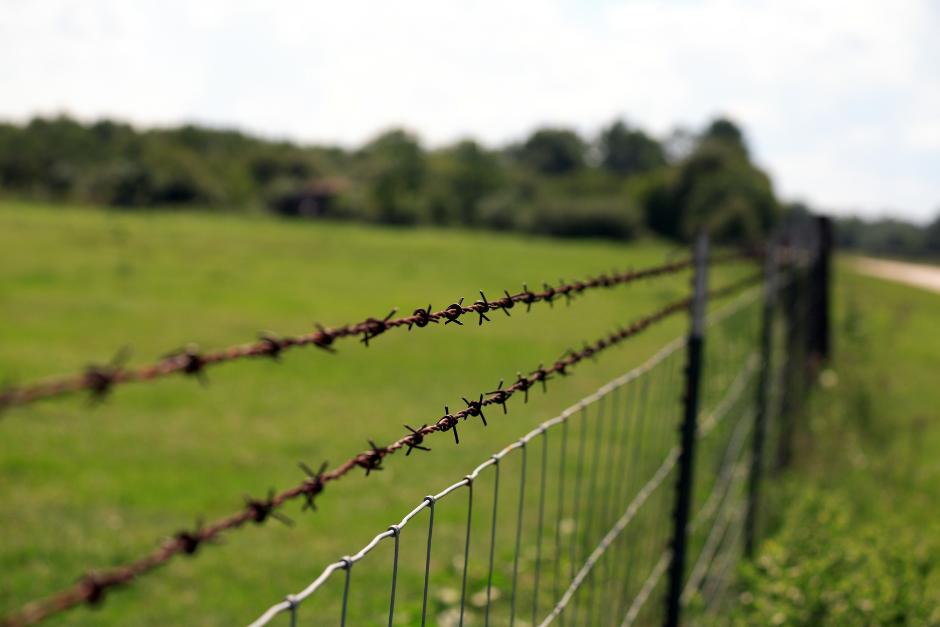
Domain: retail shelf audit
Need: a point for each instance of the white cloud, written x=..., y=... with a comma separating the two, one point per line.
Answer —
x=839, y=98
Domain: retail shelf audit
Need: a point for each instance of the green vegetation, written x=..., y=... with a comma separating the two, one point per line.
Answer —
x=617, y=185
x=890, y=237
x=854, y=539
x=858, y=540
x=93, y=486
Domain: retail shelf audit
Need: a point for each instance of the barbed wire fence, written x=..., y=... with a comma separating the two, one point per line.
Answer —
x=574, y=523
x=577, y=521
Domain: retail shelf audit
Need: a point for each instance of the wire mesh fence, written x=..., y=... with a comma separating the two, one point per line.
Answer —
x=569, y=523
x=572, y=523
x=630, y=507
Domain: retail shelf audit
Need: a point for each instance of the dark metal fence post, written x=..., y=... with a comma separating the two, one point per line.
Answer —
x=693, y=375
x=821, y=272
x=760, y=412
x=790, y=296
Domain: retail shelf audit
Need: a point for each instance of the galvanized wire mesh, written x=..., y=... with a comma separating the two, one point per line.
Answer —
x=569, y=524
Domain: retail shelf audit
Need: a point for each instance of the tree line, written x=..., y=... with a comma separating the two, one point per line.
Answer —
x=890, y=237
x=618, y=184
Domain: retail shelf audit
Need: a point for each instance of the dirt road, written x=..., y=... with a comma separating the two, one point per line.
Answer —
x=927, y=277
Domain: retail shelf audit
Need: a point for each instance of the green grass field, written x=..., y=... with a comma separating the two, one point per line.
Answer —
x=92, y=486
x=858, y=531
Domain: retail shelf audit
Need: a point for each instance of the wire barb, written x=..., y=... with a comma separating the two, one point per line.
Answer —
x=100, y=379
x=190, y=540
x=372, y=459
x=481, y=307
x=448, y=422
x=415, y=439
x=422, y=318
x=453, y=312
x=374, y=327
x=261, y=510
x=323, y=338
x=475, y=408
x=312, y=485
x=270, y=345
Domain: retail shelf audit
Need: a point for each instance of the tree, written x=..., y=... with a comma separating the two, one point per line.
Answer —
x=932, y=237
x=656, y=193
x=715, y=188
x=472, y=174
x=627, y=151
x=552, y=151
x=395, y=171
x=724, y=131
x=721, y=191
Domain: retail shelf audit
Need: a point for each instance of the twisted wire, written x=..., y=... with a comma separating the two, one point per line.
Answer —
x=101, y=379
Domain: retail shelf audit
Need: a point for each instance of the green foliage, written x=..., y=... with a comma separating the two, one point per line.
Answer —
x=552, y=151
x=725, y=131
x=721, y=191
x=611, y=216
x=395, y=169
x=889, y=236
x=825, y=568
x=932, y=237
x=627, y=151
x=554, y=182
x=858, y=539
x=462, y=177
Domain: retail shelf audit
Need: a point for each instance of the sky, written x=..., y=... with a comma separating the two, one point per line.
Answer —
x=840, y=99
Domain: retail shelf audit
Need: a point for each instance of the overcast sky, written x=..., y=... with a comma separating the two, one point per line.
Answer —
x=840, y=100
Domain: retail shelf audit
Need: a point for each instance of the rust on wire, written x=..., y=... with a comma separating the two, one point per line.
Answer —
x=92, y=588
x=100, y=380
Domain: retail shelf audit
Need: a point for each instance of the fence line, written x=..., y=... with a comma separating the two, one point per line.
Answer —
x=93, y=586
x=712, y=420
x=100, y=379
x=638, y=453
x=648, y=586
x=654, y=482
x=717, y=526
x=717, y=499
x=659, y=569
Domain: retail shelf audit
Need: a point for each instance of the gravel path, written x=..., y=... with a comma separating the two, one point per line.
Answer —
x=927, y=277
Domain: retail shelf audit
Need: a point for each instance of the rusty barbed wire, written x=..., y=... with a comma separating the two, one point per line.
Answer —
x=99, y=380
x=92, y=587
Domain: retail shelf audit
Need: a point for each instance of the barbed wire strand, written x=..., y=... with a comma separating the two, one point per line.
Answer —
x=101, y=379
x=92, y=587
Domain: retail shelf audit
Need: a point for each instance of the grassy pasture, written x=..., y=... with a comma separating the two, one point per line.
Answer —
x=856, y=540
x=93, y=486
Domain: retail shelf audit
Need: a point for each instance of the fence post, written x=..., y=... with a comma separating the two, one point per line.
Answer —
x=794, y=364
x=687, y=433
x=763, y=387
x=821, y=273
